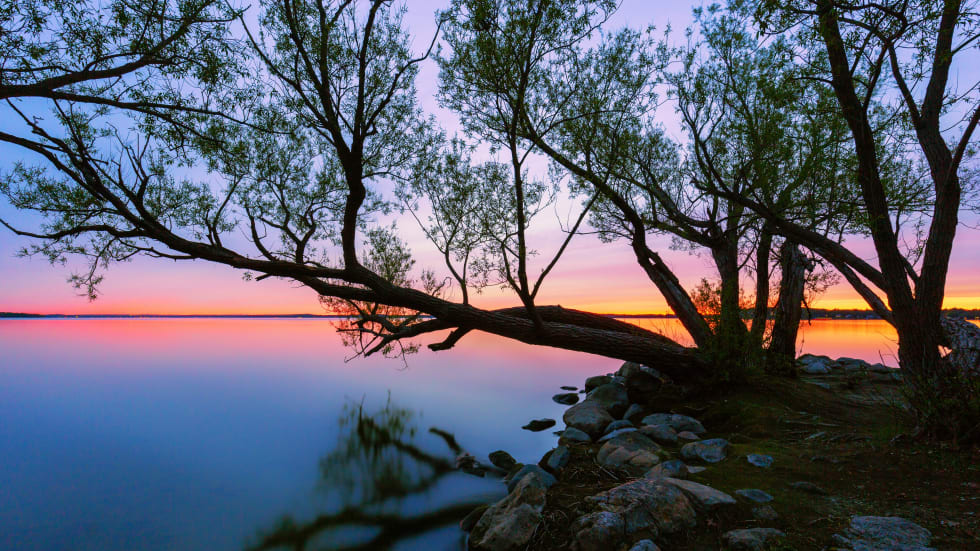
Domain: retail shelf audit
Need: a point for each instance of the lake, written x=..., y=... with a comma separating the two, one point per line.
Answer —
x=224, y=434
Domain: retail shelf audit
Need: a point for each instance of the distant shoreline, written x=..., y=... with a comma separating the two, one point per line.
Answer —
x=816, y=314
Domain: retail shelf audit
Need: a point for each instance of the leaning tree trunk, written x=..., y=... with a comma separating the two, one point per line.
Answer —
x=789, y=309
x=760, y=315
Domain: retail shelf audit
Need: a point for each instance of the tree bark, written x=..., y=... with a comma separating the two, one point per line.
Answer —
x=788, y=311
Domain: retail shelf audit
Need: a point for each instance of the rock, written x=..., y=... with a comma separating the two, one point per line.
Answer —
x=755, y=495
x=758, y=460
x=502, y=460
x=629, y=451
x=612, y=397
x=881, y=368
x=662, y=434
x=509, y=524
x=884, y=534
x=559, y=458
x=675, y=468
x=597, y=381
x=566, y=398
x=695, y=470
x=572, y=434
x=808, y=487
x=641, y=382
x=764, y=512
x=687, y=435
x=539, y=425
x=470, y=520
x=589, y=417
x=751, y=539
x=598, y=531
x=645, y=545
x=616, y=425
x=675, y=421
x=541, y=476
x=615, y=433
x=704, y=498
x=710, y=451
x=647, y=504
x=815, y=365
x=572, y=388
x=635, y=410
x=851, y=365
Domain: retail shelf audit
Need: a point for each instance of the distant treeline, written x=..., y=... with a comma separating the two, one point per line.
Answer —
x=814, y=313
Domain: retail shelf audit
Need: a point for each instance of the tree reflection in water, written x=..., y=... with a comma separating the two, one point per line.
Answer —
x=381, y=478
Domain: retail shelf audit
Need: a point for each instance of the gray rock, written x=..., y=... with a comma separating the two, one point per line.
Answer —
x=662, y=434
x=620, y=424
x=808, y=487
x=615, y=433
x=597, y=381
x=704, y=498
x=648, y=504
x=759, y=460
x=884, y=534
x=559, y=458
x=765, y=512
x=503, y=460
x=695, y=470
x=566, y=398
x=635, y=410
x=752, y=494
x=539, y=425
x=629, y=451
x=509, y=524
x=751, y=539
x=645, y=545
x=675, y=468
x=598, y=531
x=612, y=397
x=572, y=434
x=572, y=388
x=675, y=421
x=470, y=520
x=881, y=368
x=541, y=476
x=589, y=417
x=640, y=381
x=687, y=435
x=712, y=450
x=815, y=365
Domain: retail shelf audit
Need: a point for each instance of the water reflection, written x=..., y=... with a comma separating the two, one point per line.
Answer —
x=386, y=484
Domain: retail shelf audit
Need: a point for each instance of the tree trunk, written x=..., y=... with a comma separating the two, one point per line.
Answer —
x=760, y=314
x=789, y=309
x=728, y=349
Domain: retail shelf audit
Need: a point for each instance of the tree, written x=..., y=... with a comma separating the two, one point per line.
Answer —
x=332, y=127
x=895, y=60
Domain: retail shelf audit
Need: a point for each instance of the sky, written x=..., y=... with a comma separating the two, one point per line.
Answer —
x=601, y=277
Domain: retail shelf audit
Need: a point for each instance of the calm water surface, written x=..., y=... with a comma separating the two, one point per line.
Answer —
x=191, y=434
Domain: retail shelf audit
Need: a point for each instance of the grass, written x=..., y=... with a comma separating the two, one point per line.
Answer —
x=932, y=484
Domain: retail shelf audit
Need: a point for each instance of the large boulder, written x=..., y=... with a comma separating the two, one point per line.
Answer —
x=573, y=435
x=503, y=460
x=629, y=451
x=598, y=531
x=612, y=397
x=589, y=417
x=712, y=450
x=647, y=504
x=662, y=434
x=675, y=468
x=509, y=524
x=751, y=539
x=704, y=498
x=597, y=381
x=542, y=477
x=641, y=382
x=884, y=534
x=675, y=421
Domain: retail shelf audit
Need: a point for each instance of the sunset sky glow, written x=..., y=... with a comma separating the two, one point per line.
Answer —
x=592, y=276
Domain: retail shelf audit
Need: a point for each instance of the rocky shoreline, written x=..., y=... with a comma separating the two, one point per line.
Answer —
x=653, y=453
